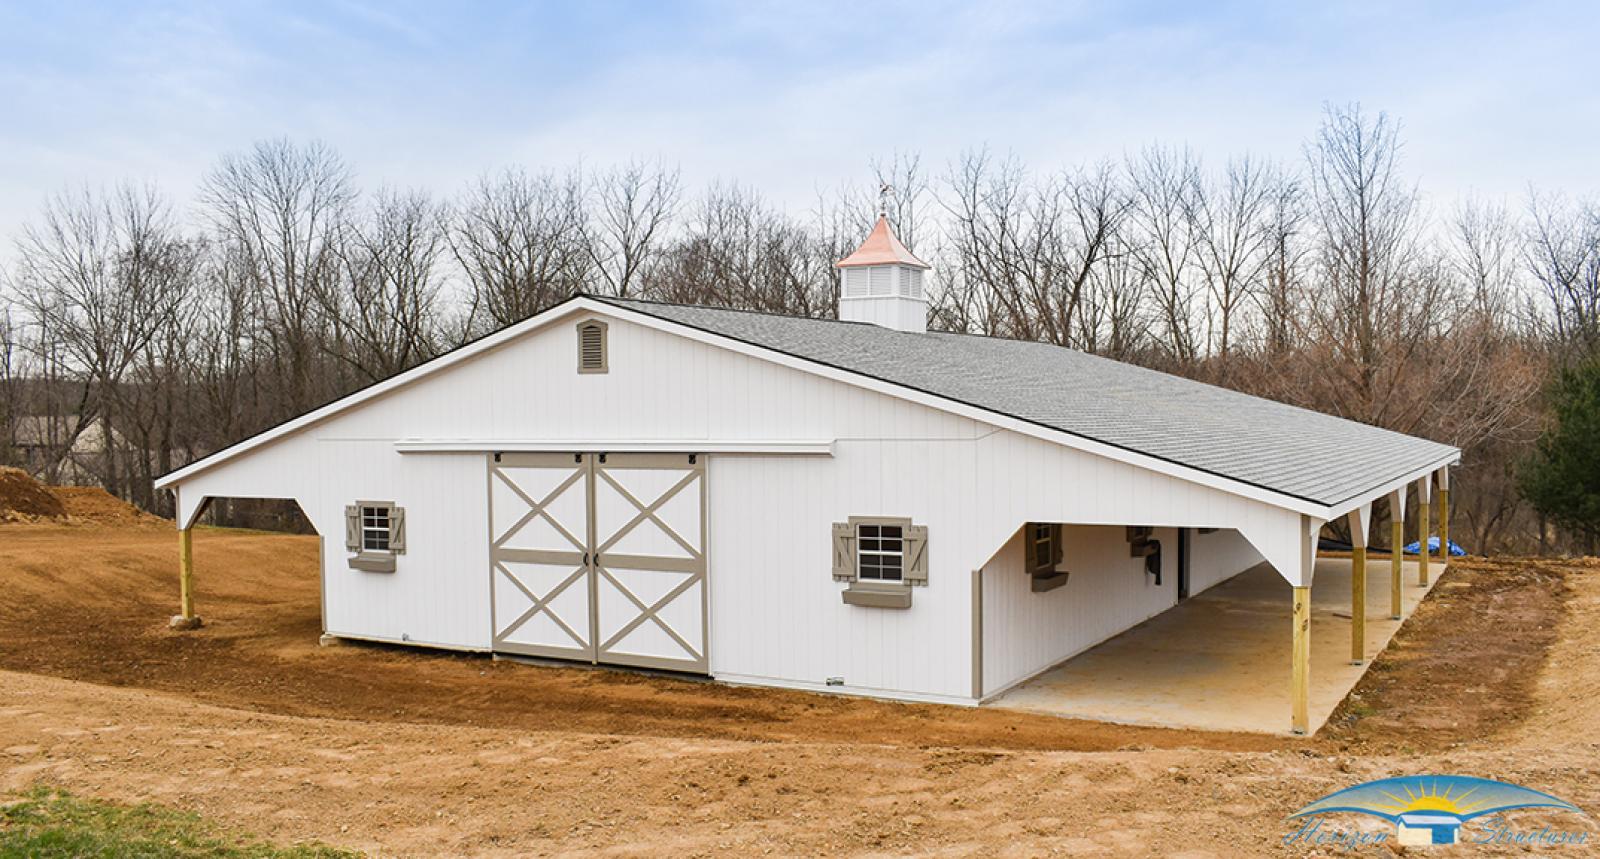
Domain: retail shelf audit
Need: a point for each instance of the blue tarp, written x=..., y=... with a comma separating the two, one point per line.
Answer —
x=1415, y=548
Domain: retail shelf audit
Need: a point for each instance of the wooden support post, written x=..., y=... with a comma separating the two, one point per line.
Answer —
x=1300, y=681
x=1300, y=690
x=1360, y=524
x=1441, y=478
x=186, y=618
x=1444, y=527
x=1397, y=542
x=1358, y=604
x=1424, y=503
x=186, y=572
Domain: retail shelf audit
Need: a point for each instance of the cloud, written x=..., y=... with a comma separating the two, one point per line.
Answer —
x=784, y=97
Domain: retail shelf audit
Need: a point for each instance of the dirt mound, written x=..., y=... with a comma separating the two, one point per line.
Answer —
x=23, y=497
x=97, y=505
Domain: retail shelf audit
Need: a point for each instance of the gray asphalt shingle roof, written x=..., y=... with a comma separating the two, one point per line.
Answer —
x=1283, y=448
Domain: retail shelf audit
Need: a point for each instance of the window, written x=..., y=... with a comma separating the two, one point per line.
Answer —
x=374, y=533
x=374, y=529
x=1043, y=550
x=881, y=552
x=592, y=346
x=1043, y=536
x=881, y=558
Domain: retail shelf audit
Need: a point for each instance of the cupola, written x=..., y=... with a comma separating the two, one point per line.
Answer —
x=882, y=283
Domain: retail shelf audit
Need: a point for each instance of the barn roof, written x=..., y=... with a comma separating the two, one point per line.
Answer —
x=1282, y=448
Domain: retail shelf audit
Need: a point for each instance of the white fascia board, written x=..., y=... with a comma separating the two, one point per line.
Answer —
x=736, y=446
x=1344, y=507
x=371, y=392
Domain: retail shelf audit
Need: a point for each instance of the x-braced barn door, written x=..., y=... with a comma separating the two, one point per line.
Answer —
x=650, y=583
x=539, y=553
x=600, y=557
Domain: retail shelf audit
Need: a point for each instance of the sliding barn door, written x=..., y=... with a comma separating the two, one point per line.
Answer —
x=600, y=557
x=539, y=555
x=650, y=573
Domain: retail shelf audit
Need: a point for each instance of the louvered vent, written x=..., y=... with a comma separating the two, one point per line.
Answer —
x=592, y=347
x=855, y=282
x=880, y=279
x=911, y=282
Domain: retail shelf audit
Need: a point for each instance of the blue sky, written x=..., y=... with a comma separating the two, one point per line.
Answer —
x=787, y=97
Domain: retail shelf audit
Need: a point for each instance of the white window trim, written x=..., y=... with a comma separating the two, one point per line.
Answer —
x=372, y=533
x=899, y=553
x=375, y=560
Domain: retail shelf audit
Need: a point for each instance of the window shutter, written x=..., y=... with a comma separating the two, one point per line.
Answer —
x=1055, y=544
x=1030, y=549
x=844, y=552
x=916, y=549
x=352, y=528
x=397, y=530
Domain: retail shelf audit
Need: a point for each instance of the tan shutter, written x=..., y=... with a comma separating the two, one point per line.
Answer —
x=397, y=530
x=916, y=550
x=1055, y=544
x=352, y=528
x=844, y=551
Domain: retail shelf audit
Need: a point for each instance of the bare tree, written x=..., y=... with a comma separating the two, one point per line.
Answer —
x=1025, y=252
x=1377, y=291
x=383, y=308
x=1563, y=257
x=522, y=241
x=1286, y=248
x=738, y=252
x=1166, y=191
x=1115, y=319
x=11, y=382
x=280, y=210
x=101, y=279
x=636, y=204
x=1234, y=236
x=1486, y=251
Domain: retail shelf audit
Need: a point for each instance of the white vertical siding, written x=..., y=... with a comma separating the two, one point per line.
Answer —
x=1108, y=591
x=1214, y=558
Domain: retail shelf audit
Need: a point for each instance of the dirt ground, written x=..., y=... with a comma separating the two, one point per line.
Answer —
x=402, y=752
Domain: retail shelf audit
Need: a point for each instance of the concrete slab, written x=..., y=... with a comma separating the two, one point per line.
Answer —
x=1220, y=661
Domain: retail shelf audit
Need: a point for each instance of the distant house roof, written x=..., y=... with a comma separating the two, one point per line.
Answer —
x=50, y=432
x=1286, y=449
x=881, y=248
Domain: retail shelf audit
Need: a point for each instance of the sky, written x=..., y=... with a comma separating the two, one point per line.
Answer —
x=790, y=98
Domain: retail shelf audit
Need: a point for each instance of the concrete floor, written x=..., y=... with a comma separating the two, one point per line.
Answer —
x=1220, y=661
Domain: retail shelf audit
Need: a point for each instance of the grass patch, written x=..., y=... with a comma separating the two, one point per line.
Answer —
x=48, y=823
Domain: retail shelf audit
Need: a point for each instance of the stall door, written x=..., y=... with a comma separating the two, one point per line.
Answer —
x=650, y=563
x=542, y=590
x=600, y=557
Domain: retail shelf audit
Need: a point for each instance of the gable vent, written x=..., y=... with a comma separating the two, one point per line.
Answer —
x=592, y=346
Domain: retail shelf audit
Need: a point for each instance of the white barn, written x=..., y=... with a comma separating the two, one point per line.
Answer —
x=856, y=505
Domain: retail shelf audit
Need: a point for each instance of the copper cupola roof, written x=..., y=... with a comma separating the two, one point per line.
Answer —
x=881, y=248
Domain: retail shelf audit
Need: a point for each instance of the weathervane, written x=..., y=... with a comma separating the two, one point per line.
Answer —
x=884, y=190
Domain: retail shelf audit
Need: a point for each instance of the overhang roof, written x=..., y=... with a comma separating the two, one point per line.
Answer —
x=1285, y=449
